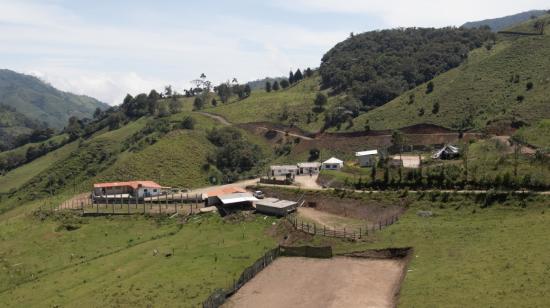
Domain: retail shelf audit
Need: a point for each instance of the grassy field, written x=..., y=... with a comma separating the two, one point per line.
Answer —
x=537, y=135
x=114, y=257
x=491, y=85
x=287, y=106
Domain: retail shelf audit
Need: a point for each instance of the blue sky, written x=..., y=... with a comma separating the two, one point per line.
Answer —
x=106, y=48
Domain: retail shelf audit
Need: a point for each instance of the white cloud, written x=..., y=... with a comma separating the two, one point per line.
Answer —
x=398, y=13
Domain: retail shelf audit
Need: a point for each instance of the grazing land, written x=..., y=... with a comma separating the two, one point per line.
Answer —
x=337, y=282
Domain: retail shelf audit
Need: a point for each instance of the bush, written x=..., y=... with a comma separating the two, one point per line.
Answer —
x=188, y=123
x=529, y=86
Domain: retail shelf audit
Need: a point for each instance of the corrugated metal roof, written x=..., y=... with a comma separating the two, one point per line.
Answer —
x=366, y=153
x=237, y=198
x=309, y=165
x=293, y=167
x=274, y=202
x=225, y=191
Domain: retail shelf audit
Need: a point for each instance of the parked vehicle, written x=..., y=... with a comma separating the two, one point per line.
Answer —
x=259, y=194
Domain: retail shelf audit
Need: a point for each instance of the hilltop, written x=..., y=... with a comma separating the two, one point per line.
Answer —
x=41, y=102
x=502, y=23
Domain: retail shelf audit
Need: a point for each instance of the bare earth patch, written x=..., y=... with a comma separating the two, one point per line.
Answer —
x=336, y=282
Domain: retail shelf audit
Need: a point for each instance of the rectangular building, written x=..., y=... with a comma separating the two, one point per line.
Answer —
x=367, y=158
x=134, y=189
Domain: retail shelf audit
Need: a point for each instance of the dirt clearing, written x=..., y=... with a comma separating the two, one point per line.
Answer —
x=336, y=282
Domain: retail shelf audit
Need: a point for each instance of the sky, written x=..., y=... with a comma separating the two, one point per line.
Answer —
x=107, y=48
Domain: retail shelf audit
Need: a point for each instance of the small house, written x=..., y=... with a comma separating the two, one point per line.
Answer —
x=367, y=158
x=134, y=189
x=309, y=168
x=447, y=152
x=283, y=170
x=332, y=163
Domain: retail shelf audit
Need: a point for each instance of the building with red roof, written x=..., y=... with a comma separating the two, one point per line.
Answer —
x=138, y=189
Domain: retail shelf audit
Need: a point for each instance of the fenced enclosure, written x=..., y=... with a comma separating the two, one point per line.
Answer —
x=345, y=233
x=127, y=205
x=218, y=297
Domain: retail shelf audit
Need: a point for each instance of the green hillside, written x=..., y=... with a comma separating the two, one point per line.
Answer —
x=42, y=102
x=14, y=124
x=293, y=106
x=508, y=82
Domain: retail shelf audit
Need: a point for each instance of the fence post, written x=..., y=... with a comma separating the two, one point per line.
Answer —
x=344, y=232
x=360, y=232
x=324, y=230
x=314, y=229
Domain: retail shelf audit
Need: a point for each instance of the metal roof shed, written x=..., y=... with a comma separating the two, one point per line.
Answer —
x=273, y=206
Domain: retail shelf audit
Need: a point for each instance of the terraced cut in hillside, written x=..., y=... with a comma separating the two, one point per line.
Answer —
x=506, y=82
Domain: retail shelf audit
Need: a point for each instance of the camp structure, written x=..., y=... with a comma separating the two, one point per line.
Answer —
x=447, y=152
x=367, y=158
x=332, y=163
x=276, y=207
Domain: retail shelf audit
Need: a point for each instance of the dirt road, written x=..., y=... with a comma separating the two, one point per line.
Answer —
x=216, y=117
x=336, y=282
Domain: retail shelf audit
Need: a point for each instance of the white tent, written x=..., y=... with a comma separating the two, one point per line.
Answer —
x=333, y=163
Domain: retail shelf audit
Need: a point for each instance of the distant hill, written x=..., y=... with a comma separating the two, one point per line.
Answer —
x=498, y=24
x=14, y=123
x=259, y=84
x=41, y=102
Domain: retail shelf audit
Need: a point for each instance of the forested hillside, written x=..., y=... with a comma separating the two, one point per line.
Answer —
x=505, y=84
x=14, y=124
x=42, y=102
x=378, y=66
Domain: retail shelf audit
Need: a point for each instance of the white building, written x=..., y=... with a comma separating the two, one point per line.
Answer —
x=309, y=168
x=367, y=158
x=283, y=170
x=333, y=163
x=138, y=189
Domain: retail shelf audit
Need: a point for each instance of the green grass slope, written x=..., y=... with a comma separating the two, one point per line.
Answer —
x=43, y=265
x=293, y=105
x=537, y=135
x=42, y=102
x=491, y=85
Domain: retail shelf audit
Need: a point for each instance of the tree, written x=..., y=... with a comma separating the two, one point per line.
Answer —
x=308, y=72
x=224, y=92
x=214, y=102
x=284, y=83
x=298, y=75
x=429, y=87
x=291, y=77
x=198, y=103
x=175, y=106
x=168, y=90
x=98, y=113
x=268, y=86
x=435, y=108
x=187, y=123
x=397, y=141
x=320, y=101
x=529, y=86
x=276, y=86
x=247, y=90
x=314, y=154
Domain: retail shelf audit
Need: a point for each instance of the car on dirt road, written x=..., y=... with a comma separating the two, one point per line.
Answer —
x=259, y=194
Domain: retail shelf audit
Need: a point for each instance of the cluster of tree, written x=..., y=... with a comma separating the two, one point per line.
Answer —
x=344, y=112
x=377, y=66
x=16, y=159
x=276, y=86
x=37, y=135
x=441, y=177
x=234, y=154
x=227, y=89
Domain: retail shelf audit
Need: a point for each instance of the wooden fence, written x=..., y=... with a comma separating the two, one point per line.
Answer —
x=346, y=233
x=127, y=205
x=218, y=297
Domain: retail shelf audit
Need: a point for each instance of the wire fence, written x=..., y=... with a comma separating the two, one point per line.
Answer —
x=345, y=233
x=127, y=205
